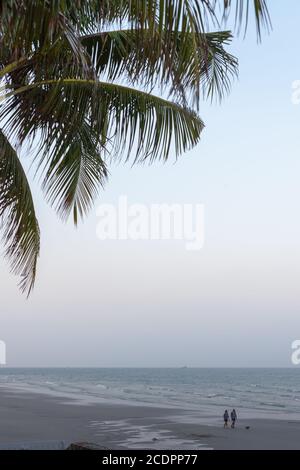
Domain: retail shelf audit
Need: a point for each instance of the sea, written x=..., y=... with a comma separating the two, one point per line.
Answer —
x=255, y=392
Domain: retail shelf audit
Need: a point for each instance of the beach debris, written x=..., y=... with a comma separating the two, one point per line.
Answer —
x=35, y=445
x=85, y=446
x=247, y=427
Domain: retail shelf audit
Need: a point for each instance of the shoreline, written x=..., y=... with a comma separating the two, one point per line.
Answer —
x=34, y=419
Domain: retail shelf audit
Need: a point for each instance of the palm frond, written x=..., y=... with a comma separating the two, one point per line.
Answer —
x=19, y=225
x=74, y=172
x=199, y=63
x=41, y=29
x=242, y=10
x=123, y=119
x=173, y=15
x=58, y=64
x=79, y=120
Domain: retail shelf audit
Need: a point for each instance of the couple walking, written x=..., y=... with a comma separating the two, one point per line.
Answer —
x=233, y=417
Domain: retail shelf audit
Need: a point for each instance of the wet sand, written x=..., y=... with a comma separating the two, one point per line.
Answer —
x=39, y=420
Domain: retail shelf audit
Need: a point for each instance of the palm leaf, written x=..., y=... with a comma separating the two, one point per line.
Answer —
x=81, y=119
x=18, y=221
x=74, y=173
x=199, y=63
x=184, y=15
x=41, y=29
x=242, y=11
x=124, y=119
x=57, y=63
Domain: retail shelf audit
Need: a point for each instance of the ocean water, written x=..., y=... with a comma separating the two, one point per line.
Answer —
x=258, y=392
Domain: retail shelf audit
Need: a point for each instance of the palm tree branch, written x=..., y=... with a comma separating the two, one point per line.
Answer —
x=189, y=69
x=170, y=15
x=74, y=172
x=84, y=119
x=118, y=114
x=19, y=225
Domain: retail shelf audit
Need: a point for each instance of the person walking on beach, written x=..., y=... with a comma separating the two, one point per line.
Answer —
x=233, y=416
x=226, y=418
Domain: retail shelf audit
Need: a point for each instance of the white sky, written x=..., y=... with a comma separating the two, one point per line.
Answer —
x=234, y=303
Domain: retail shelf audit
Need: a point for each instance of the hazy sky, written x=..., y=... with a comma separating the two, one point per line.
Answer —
x=233, y=303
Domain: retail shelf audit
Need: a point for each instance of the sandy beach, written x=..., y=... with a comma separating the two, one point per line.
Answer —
x=37, y=421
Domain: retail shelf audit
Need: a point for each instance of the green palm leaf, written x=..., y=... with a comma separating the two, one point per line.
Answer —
x=198, y=62
x=74, y=172
x=77, y=78
x=195, y=15
x=20, y=228
x=118, y=116
x=85, y=119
